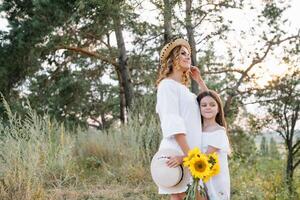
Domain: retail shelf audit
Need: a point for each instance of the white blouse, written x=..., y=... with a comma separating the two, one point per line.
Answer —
x=218, y=186
x=178, y=111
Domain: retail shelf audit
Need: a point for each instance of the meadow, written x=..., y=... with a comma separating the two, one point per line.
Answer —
x=42, y=159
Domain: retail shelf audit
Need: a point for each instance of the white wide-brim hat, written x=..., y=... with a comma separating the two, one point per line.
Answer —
x=171, y=180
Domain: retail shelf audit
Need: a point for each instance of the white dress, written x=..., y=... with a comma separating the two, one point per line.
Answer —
x=178, y=111
x=218, y=186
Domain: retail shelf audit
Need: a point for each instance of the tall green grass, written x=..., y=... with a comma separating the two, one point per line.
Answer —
x=36, y=153
x=41, y=159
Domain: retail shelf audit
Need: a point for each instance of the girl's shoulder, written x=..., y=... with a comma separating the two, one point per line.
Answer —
x=216, y=129
x=217, y=135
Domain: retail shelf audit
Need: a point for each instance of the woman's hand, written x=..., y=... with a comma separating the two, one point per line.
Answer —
x=175, y=161
x=195, y=74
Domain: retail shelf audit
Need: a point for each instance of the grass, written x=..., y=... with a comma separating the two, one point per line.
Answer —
x=41, y=159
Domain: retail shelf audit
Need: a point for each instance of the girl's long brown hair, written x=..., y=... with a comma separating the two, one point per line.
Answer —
x=220, y=118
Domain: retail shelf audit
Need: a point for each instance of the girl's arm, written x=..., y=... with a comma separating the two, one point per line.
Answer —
x=211, y=149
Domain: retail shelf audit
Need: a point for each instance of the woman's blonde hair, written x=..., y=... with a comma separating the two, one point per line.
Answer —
x=167, y=67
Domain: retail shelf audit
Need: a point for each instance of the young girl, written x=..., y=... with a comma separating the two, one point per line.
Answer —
x=214, y=139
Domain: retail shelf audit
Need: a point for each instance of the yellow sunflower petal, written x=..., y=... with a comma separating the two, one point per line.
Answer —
x=199, y=167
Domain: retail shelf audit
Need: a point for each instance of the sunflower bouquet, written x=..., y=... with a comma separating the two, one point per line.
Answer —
x=202, y=167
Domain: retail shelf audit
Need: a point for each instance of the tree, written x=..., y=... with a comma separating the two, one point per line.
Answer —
x=113, y=14
x=29, y=22
x=235, y=81
x=126, y=89
x=77, y=32
x=264, y=146
x=273, y=149
x=281, y=99
x=191, y=38
x=204, y=12
x=243, y=144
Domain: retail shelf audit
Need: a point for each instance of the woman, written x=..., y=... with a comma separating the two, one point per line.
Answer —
x=176, y=106
x=215, y=139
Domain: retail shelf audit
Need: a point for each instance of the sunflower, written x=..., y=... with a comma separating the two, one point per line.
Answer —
x=214, y=165
x=213, y=158
x=191, y=154
x=199, y=167
x=215, y=169
x=206, y=178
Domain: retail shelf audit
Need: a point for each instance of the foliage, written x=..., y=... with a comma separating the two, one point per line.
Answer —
x=281, y=99
x=242, y=144
x=264, y=148
x=54, y=163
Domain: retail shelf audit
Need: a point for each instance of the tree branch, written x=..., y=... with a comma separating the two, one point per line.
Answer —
x=296, y=147
x=224, y=71
x=90, y=54
x=281, y=134
x=295, y=116
x=296, y=164
x=255, y=61
x=287, y=38
x=286, y=122
x=260, y=101
x=201, y=20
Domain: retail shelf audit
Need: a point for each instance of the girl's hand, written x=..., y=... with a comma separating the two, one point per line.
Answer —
x=195, y=74
x=175, y=161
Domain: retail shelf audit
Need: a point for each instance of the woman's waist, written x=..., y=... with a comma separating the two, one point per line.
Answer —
x=171, y=143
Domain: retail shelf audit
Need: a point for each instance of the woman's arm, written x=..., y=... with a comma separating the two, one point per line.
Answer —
x=181, y=140
x=202, y=85
x=177, y=160
x=196, y=75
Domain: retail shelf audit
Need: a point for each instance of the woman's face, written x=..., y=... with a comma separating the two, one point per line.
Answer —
x=184, y=59
x=208, y=107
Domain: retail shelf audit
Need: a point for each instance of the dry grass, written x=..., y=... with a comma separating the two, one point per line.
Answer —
x=40, y=159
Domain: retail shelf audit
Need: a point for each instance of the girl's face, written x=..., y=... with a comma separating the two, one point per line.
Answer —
x=208, y=107
x=184, y=59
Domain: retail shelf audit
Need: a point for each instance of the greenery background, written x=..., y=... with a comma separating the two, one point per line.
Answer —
x=77, y=80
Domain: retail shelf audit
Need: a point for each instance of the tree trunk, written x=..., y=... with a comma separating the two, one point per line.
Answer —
x=126, y=89
x=289, y=169
x=167, y=12
x=227, y=110
x=191, y=38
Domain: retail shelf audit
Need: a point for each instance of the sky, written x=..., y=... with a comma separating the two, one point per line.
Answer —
x=3, y=22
